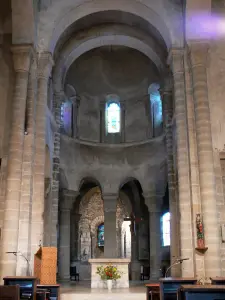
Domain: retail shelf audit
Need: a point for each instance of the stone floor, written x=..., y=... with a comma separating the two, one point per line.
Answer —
x=83, y=291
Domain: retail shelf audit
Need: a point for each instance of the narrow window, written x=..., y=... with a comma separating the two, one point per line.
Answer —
x=101, y=235
x=166, y=229
x=113, y=122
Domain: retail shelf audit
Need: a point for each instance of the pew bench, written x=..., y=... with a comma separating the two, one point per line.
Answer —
x=152, y=291
x=9, y=292
x=170, y=286
x=201, y=292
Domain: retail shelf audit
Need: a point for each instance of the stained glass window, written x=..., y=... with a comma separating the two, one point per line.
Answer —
x=113, y=117
x=166, y=229
x=101, y=235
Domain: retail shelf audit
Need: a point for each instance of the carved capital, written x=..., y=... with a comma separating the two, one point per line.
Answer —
x=22, y=55
x=67, y=199
x=110, y=202
x=45, y=64
x=198, y=53
x=176, y=60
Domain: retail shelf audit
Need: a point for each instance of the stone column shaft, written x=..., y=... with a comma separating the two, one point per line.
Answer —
x=198, y=59
x=110, y=202
x=44, y=68
x=155, y=234
x=27, y=177
x=176, y=58
x=173, y=205
x=22, y=57
x=68, y=198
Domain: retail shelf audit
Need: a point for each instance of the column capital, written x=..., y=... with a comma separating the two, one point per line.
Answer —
x=45, y=64
x=198, y=53
x=153, y=201
x=68, y=198
x=110, y=202
x=22, y=55
x=175, y=60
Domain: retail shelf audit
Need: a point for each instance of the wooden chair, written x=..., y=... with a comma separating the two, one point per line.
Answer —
x=73, y=274
x=145, y=273
x=9, y=292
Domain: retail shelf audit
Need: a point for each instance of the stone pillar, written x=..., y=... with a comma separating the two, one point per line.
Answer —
x=198, y=58
x=68, y=198
x=154, y=203
x=27, y=177
x=167, y=97
x=75, y=116
x=44, y=68
x=135, y=264
x=110, y=202
x=74, y=235
x=22, y=58
x=58, y=99
x=176, y=59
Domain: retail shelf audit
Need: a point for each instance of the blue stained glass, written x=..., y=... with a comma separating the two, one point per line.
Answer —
x=101, y=235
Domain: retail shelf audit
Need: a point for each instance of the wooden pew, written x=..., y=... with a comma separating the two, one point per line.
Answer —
x=9, y=292
x=169, y=286
x=53, y=290
x=201, y=292
x=28, y=285
x=218, y=280
x=152, y=291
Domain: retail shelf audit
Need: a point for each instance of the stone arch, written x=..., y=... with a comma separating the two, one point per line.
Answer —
x=95, y=223
x=62, y=23
x=70, y=54
x=89, y=180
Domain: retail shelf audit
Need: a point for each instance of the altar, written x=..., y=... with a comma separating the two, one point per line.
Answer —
x=121, y=263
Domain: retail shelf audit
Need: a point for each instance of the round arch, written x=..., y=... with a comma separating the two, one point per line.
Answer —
x=49, y=38
x=70, y=54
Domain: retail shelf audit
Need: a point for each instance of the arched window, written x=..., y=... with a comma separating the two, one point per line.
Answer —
x=166, y=229
x=101, y=235
x=113, y=114
x=156, y=109
x=66, y=117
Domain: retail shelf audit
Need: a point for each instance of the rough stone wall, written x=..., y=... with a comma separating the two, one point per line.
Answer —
x=92, y=215
x=112, y=70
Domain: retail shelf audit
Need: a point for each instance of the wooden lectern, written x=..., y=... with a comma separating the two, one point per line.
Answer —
x=45, y=265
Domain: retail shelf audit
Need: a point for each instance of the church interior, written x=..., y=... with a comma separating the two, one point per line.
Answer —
x=112, y=149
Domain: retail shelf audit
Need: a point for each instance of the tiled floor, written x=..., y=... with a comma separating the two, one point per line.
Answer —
x=83, y=291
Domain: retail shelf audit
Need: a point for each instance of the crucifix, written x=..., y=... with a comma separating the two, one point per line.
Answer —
x=134, y=220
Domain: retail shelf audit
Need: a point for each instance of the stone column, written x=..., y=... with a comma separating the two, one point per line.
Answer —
x=154, y=203
x=68, y=198
x=27, y=176
x=74, y=235
x=135, y=264
x=167, y=97
x=198, y=58
x=22, y=58
x=110, y=201
x=176, y=59
x=44, y=68
x=58, y=99
x=76, y=104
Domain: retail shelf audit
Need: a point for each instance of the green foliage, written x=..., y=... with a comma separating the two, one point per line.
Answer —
x=108, y=272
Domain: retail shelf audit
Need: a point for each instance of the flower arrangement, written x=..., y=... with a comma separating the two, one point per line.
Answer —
x=109, y=272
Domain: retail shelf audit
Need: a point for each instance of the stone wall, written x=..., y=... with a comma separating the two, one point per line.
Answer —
x=113, y=70
x=6, y=92
x=216, y=74
x=111, y=166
